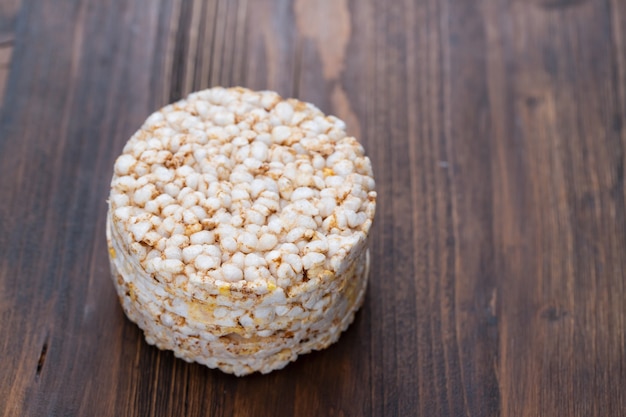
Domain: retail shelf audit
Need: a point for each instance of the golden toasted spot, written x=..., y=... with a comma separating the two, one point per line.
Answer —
x=224, y=289
x=271, y=286
x=131, y=292
x=333, y=221
x=328, y=172
x=112, y=253
x=327, y=274
x=283, y=354
x=299, y=105
x=192, y=228
x=201, y=311
x=232, y=331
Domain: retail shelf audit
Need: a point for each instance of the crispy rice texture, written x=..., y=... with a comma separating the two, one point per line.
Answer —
x=237, y=229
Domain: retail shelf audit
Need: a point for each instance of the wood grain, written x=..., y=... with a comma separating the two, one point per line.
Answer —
x=496, y=131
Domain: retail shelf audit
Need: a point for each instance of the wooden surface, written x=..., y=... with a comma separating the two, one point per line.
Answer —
x=497, y=133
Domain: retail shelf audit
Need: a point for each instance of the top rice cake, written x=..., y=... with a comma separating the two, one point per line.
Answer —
x=237, y=228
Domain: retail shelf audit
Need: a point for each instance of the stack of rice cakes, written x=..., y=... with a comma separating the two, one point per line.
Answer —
x=237, y=229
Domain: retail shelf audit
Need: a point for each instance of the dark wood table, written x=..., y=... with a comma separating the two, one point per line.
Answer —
x=496, y=131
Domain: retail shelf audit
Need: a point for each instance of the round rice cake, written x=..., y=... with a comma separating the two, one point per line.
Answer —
x=237, y=229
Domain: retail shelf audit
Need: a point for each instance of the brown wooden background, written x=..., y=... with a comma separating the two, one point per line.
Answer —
x=496, y=130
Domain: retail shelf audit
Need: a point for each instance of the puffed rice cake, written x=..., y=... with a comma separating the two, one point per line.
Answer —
x=237, y=229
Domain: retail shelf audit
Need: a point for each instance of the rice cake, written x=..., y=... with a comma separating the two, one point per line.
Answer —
x=237, y=229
